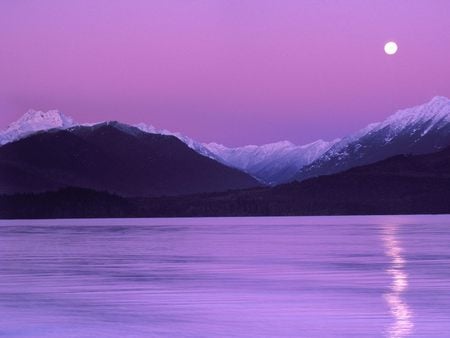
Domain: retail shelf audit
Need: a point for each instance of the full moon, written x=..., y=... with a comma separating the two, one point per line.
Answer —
x=390, y=48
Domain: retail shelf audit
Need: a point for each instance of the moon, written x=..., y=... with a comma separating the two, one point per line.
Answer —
x=390, y=48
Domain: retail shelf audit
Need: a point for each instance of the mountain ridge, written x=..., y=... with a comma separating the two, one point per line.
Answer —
x=112, y=157
x=271, y=163
x=420, y=129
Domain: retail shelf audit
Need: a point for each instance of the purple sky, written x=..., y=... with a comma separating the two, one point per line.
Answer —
x=232, y=71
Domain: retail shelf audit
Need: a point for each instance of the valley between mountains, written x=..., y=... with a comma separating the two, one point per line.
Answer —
x=53, y=167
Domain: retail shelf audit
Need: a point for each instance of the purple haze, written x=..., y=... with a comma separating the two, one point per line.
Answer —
x=236, y=72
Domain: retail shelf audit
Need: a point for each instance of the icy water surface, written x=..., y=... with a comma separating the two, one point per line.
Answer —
x=384, y=276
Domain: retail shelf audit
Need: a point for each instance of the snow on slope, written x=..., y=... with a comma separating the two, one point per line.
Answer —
x=194, y=145
x=433, y=114
x=272, y=163
x=279, y=162
x=33, y=121
x=420, y=129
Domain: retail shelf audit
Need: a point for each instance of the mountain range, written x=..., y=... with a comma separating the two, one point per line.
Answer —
x=272, y=163
x=112, y=157
x=418, y=130
x=45, y=151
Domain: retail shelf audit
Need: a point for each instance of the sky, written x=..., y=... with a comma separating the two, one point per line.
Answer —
x=232, y=71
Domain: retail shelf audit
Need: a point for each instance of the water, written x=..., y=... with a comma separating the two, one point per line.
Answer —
x=385, y=276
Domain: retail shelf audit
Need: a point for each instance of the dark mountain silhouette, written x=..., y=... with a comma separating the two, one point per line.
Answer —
x=403, y=184
x=112, y=157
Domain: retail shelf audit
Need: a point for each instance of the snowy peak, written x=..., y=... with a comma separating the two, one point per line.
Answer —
x=415, y=130
x=439, y=100
x=38, y=120
x=434, y=112
x=419, y=129
x=263, y=150
x=34, y=121
x=271, y=163
x=278, y=146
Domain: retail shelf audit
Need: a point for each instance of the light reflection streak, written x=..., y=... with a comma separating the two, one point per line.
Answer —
x=403, y=324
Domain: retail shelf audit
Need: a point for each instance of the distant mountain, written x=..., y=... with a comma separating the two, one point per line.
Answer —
x=111, y=157
x=34, y=121
x=417, y=130
x=191, y=143
x=272, y=163
x=403, y=184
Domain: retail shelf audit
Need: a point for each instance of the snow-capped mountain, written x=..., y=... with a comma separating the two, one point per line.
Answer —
x=416, y=130
x=197, y=146
x=113, y=157
x=421, y=129
x=272, y=163
x=33, y=121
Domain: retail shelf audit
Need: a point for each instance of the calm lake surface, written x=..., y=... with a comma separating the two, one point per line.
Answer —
x=384, y=276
